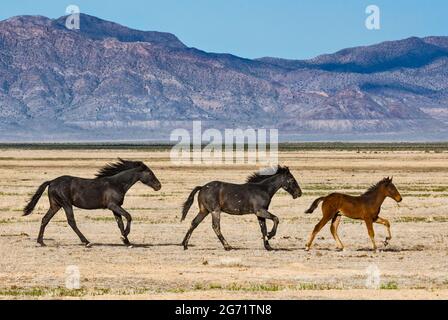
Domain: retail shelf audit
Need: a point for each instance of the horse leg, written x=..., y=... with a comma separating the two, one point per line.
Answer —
x=334, y=230
x=124, y=238
x=196, y=221
x=45, y=220
x=72, y=223
x=369, y=225
x=264, y=231
x=216, y=224
x=119, y=210
x=387, y=224
x=267, y=215
x=316, y=230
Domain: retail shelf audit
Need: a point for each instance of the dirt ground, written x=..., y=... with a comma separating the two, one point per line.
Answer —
x=413, y=266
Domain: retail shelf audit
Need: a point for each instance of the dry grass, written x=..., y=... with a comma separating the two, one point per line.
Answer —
x=414, y=265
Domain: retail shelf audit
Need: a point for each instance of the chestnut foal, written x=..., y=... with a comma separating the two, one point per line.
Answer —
x=366, y=206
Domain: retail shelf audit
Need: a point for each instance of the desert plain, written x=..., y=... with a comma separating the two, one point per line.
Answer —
x=413, y=266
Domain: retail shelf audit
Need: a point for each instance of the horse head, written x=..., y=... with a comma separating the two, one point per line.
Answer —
x=391, y=190
x=148, y=177
x=289, y=183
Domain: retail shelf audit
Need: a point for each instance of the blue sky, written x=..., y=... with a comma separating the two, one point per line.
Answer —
x=294, y=29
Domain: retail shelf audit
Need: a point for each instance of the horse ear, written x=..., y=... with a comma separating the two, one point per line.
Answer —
x=142, y=165
x=285, y=169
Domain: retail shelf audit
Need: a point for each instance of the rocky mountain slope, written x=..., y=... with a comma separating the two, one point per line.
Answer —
x=109, y=82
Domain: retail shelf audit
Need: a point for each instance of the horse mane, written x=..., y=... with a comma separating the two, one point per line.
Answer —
x=121, y=165
x=374, y=187
x=257, y=177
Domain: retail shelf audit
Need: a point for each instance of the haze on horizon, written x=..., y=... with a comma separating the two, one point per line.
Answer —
x=286, y=28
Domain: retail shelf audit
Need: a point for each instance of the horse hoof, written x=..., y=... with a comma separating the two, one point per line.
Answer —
x=130, y=246
x=268, y=248
x=88, y=245
x=386, y=243
x=185, y=247
x=228, y=248
x=307, y=248
x=41, y=244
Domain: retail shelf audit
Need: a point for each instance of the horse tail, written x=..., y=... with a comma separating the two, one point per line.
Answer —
x=33, y=201
x=189, y=202
x=314, y=205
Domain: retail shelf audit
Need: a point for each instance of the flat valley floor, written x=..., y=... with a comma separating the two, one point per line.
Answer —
x=413, y=266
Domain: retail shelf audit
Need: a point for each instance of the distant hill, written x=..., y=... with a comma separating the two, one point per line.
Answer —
x=108, y=82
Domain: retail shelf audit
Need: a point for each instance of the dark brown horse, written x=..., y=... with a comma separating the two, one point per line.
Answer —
x=107, y=191
x=366, y=206
x=252, y=197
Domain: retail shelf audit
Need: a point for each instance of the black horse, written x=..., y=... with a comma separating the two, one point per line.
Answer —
x=252, y=197
x=107, y=191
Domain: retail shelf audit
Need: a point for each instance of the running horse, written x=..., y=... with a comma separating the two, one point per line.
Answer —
x=366, y=207
x=252, y=197
x=106, y=191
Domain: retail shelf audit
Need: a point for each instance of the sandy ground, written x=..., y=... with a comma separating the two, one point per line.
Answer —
x=414, y=266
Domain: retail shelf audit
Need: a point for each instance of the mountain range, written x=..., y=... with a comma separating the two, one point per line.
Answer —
x=109, y=82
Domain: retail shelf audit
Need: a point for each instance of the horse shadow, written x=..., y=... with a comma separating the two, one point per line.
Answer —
x=392, y=249
x=138, y=245
x=154, y=245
